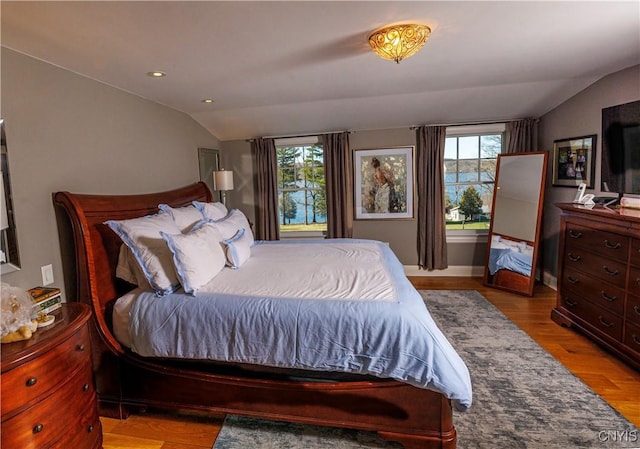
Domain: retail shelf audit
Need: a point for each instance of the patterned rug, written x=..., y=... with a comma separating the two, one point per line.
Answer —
x=523, y=397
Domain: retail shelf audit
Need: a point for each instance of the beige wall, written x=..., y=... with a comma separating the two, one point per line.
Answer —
x=68, y=132
x=579, y=116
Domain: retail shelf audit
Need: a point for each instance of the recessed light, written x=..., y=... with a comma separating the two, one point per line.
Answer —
x=156, y=74
x=207, y=100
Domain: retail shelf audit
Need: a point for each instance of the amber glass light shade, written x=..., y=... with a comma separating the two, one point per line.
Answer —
x=398, y=42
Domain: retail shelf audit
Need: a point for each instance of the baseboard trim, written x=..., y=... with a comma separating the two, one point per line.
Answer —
x=458, y=270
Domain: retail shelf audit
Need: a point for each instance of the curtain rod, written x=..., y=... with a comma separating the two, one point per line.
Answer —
x=492, y=122
x=291, y=136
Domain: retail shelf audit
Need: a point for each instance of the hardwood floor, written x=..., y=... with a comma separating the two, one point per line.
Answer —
x=613, y=380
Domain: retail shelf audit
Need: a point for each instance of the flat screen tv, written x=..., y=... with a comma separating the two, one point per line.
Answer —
x=620, y=167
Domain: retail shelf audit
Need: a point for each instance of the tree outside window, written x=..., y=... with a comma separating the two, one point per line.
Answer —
x=301, y=188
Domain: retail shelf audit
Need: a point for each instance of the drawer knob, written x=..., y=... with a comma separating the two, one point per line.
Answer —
x=617, y=245
x=574, y=234
x=573, y=258
x=90, y=429
x=570, y=303
x=80, y=348
x=638, y=281
x=635, y=338
x=31, y=381
x=604, y=322
x=609, y=271
x=607, y=297
x=85, y=387
x=572, y=280
x=636, y=309
x=38, y=428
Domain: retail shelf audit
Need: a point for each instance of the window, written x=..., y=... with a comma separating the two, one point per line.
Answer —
x=470, y=157
x=301, y=185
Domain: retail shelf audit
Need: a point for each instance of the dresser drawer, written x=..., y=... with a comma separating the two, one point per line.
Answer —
x=29, y=381
x=634, y=281
x=609, y=270
x=603, y=320
x=632, y=336
x=635, y=252
x=56, y=417
x=633, y=309
x=606, y=244
x=607, y=296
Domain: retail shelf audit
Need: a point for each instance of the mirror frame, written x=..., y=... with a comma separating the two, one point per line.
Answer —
x=512, y=281
x=9, y=236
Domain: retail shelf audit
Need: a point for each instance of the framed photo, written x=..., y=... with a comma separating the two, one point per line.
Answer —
x=574, y=161
x=383, y=183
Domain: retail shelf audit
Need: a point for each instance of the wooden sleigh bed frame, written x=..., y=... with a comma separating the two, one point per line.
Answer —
x=126, y=382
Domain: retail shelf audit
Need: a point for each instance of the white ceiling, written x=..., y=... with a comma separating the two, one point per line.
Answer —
x=287, y=67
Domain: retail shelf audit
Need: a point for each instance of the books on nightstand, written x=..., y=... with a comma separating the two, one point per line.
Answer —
x=45, y=299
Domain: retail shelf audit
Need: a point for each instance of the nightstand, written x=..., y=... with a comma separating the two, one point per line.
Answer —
x=48, y=394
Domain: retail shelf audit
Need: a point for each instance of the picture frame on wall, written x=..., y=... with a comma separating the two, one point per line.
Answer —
x=574, y=161
x=383, y=183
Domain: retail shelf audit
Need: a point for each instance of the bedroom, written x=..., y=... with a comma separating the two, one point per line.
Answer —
x=70, y=132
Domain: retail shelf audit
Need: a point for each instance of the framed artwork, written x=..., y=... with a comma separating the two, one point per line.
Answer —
x=574, y=161
x=383, y=183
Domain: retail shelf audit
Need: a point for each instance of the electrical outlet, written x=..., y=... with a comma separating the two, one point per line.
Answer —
x=47, y=274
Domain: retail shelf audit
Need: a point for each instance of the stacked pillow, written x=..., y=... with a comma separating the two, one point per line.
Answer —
x=185, y=246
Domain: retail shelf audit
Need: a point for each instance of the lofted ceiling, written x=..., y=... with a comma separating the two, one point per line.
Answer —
x=294, y=67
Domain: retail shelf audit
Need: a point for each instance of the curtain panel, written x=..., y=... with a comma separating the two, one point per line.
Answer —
x=432, y=234
x=339, y=184
x=522, y=135
x=267, y=226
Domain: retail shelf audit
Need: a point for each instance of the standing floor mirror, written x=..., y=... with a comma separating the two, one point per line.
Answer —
x=514, y=233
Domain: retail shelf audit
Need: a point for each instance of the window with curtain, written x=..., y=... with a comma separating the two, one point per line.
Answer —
x=470, y=155
x=302, y=199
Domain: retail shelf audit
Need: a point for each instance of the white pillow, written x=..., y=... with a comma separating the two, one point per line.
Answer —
x=232, y=223
x=212, y=211
x=129, y=270
x=186, y=217
x=142, y=236
x=197, y=256
x=237, y=249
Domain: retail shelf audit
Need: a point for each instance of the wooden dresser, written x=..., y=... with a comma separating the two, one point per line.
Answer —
x=48, y=396
x=599, y=277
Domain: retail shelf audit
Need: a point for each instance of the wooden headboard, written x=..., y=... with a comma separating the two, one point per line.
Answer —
x=96, y=246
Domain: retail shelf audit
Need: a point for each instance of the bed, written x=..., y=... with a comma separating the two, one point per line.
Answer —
x=510, y=263
x=416, y=412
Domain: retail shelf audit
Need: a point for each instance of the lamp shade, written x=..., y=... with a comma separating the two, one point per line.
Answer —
x=4, y=219
x=398, y=42
x=223, y=180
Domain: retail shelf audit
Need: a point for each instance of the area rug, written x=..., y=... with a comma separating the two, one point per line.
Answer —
x=522, y=396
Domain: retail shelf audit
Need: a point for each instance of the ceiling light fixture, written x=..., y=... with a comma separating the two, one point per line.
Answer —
x=156, y=74
x=207, y=100
x=398, y=42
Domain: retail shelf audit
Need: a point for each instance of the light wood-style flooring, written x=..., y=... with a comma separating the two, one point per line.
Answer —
x=613, y=380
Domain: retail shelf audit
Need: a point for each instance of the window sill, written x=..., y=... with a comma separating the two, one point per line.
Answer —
x=467, y=237
x=302, y=235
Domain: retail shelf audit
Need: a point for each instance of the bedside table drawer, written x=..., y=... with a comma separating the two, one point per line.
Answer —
x=36, y=377
x=55, y=417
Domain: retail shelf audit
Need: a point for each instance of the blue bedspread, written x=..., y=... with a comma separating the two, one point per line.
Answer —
x=388, y=339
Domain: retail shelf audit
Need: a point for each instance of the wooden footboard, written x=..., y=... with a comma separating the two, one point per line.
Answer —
x=415, y=417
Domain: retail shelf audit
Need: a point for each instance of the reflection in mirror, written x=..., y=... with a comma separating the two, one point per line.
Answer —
x=9, y=258
x=209, y=162
x=514, y=233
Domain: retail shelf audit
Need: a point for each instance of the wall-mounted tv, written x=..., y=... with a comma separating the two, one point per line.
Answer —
x=620, y=171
